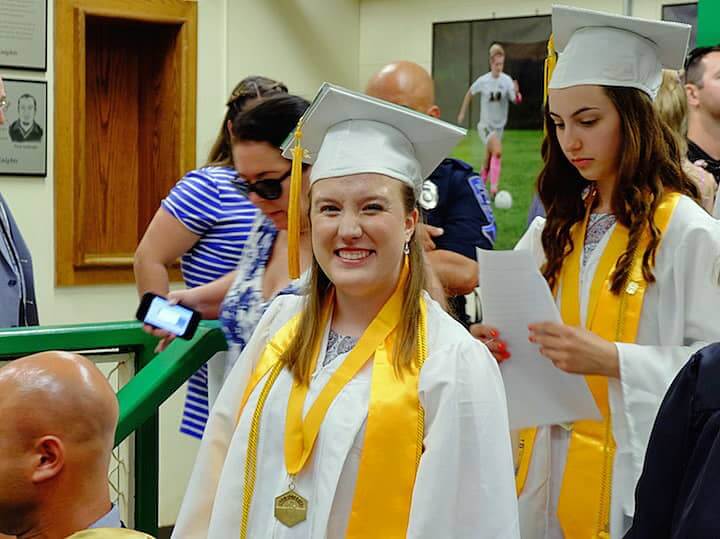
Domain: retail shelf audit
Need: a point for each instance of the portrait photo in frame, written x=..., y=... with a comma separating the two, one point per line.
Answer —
x=23, y=137
x=23, y=34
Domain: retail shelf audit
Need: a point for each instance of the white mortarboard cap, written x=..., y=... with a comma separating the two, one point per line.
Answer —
x=614, y=50
x=346, y=133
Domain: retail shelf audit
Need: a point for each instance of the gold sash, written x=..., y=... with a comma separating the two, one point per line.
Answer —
x=395, y=425
x=584, y=504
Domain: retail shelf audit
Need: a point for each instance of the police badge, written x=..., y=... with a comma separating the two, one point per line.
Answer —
x=429, y=196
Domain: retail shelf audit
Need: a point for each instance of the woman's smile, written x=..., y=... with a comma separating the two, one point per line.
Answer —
x=353, y=256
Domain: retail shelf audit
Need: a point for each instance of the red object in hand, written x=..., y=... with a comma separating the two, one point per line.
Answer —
x=518, y=98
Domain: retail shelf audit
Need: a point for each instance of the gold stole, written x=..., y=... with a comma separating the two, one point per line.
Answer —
x=394, y=431
x=584, y=504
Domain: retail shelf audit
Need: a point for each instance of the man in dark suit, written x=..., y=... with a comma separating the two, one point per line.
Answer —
x=17, y=287
x=677, y=495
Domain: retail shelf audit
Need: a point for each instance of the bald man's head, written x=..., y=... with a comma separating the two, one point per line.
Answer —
x=407, y=84
x=58, y=416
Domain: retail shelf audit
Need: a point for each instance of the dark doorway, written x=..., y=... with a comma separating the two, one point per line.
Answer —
x=687, y=13
x=460, y=55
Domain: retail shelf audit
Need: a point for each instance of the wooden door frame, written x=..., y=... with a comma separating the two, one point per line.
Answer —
x=71, y=267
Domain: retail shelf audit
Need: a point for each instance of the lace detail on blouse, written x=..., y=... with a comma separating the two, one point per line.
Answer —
x=338, y=345
x=597, y=227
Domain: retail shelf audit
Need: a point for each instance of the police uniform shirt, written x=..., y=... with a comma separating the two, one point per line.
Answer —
x=454, y=199
x=460, y=207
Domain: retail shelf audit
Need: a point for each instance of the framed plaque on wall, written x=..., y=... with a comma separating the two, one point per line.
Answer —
x=23, y=34
x=23, y=137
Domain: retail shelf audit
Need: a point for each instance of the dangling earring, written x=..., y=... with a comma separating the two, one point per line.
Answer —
x=406, y=249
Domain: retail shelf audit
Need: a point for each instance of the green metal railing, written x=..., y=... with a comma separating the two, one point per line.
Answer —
x=156, y=378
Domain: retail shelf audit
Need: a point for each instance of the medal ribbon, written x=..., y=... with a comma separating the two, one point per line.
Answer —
x=300, y=435
x=395, y=426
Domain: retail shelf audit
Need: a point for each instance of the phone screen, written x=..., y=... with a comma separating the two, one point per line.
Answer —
x=172, y=318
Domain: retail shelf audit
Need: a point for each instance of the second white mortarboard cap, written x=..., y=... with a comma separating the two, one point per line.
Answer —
x=614, y=50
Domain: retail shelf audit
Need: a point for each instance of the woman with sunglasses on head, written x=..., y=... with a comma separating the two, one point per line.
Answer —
x=632, y=259
x=240, y=298
x=204, y=221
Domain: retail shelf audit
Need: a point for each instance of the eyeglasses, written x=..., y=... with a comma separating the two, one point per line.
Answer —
x=4, y=104
x=269, y=189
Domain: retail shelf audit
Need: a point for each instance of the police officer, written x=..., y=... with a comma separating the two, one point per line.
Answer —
x=455, y=205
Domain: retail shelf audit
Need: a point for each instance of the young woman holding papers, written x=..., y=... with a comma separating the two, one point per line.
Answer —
x=633, y=261
x=362, y=409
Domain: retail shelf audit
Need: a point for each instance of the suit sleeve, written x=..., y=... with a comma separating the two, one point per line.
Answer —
x=677, y=492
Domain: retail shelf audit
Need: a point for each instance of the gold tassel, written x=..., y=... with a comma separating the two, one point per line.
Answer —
x=550, y=61
x=294, y=217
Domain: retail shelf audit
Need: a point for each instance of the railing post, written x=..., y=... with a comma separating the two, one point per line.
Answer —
x=147, y=463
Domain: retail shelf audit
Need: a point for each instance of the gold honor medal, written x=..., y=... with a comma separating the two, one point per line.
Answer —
x=290, y=508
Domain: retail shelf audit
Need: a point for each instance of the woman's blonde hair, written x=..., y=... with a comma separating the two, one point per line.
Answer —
x=671, y=104
x=298, y=356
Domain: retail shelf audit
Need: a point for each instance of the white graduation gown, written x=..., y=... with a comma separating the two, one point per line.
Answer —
x=681, y=313
x=464, y=486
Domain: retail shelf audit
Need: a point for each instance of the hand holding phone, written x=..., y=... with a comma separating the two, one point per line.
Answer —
x=158, y=312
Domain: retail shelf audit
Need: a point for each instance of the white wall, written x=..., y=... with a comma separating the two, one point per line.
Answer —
x=301, y=42
x=402, y=29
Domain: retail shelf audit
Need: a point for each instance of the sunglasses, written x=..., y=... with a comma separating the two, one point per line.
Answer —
x=269, y=189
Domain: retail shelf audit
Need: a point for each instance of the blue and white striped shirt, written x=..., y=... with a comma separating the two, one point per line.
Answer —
x=209, y=205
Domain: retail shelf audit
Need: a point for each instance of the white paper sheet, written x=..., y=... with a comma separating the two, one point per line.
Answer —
x=515, y=294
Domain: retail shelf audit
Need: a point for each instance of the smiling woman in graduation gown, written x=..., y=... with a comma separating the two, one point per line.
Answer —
x=401, y=433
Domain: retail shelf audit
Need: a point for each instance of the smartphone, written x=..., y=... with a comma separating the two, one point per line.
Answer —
x=179, y=320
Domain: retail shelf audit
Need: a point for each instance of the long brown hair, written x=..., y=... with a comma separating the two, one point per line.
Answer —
x=247, y=90
x=649, y=166
x=310, y=329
